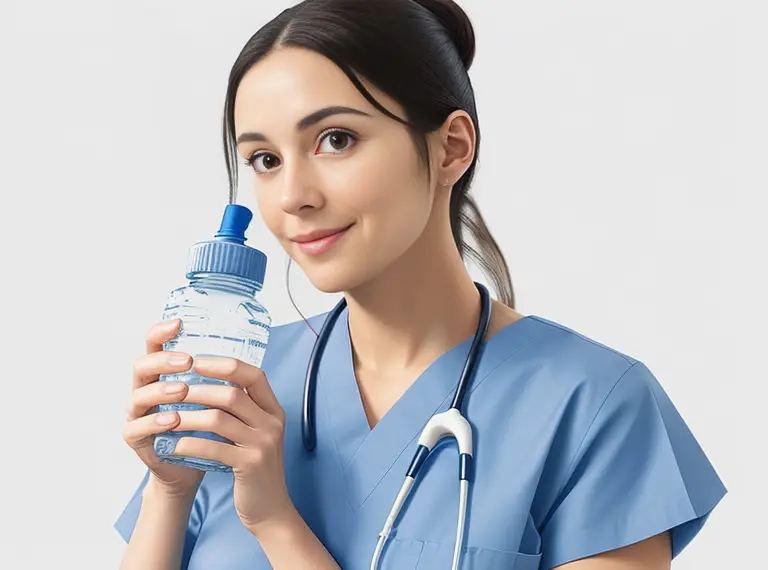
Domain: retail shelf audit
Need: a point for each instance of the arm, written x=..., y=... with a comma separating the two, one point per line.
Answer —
x=158, y=538
x=290, y=544
x=651, y=554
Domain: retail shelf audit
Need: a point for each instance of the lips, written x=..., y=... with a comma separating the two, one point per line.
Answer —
x=319, y=234
x=320, y=241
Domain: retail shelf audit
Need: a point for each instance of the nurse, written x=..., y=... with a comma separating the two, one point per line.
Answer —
x=359, y=124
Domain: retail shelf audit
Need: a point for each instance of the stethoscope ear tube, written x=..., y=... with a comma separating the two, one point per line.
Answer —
x=308, y=430
x=474, y=351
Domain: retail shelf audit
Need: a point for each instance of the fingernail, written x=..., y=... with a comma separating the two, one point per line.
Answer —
x=166, y=418
x=173, y=387
x=172, y=324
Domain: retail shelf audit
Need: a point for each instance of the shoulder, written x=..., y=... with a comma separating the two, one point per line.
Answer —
x=611, y=447
x=562, y=373
x=569, y=358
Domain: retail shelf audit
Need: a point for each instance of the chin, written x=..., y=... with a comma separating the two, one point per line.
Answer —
x=335, y=277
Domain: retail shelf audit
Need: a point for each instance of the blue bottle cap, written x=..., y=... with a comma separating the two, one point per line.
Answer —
x=227, y=253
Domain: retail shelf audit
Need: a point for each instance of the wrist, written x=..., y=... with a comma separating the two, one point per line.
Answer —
x=285, y=527
x=288, y=542
x=156, y=490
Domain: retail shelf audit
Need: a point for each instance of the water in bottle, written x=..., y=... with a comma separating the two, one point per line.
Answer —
x=220, y=316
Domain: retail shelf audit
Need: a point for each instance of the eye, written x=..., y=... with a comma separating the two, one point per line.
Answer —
x=337, y=141
x=261, y=162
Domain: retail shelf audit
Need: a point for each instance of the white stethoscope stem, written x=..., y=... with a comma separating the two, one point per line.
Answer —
x=450, y=423
x=384, y=534
x=463, y=493
x=460, y=527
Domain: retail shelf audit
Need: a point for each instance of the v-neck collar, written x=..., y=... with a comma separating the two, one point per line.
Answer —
x=366, y=454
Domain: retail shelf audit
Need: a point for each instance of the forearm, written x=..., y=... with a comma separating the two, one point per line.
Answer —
x=291, y=545
x=158, y=537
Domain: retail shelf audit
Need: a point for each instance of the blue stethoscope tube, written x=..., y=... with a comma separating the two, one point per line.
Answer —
x=449, y=423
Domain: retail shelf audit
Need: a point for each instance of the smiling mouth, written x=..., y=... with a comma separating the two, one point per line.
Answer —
x=321, y=241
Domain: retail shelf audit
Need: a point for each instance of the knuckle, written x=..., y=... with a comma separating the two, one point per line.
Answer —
x=154, y=332
x=216, y=417
x=230, y=366
x=261, y=377
x=256, y=458
x=232, y=397
x=138, y=363
x=128, y=432
x=276, y=427
x=272, y=440
x=131, y=413
x=147, y=396
x=136, y=396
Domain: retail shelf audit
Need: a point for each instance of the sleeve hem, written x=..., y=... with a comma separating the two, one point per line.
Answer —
x=125, y=523
x=123, y=532
x=614, y=537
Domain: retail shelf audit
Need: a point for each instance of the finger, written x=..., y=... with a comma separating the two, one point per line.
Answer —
x=215, y=421
x=209, y=449
x=147, y=397
x=245, y=375
x=230, y=399
x=147, y=368
x=160, y=333
x=136, y=432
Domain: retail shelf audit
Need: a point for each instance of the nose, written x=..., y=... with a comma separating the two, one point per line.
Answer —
x=300, y=191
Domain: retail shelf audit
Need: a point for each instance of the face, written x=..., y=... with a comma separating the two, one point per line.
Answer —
x=346, y=193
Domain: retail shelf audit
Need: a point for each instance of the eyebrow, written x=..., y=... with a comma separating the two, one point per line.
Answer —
x=306, y=122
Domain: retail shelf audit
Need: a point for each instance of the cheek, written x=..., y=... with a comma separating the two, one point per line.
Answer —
x=383, y=181
x=393, y=212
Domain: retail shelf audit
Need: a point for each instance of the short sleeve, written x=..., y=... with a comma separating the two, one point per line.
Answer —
x=638, y=472
x=126, y=522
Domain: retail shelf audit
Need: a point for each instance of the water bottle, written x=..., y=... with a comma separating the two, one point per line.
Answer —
x=220, y=316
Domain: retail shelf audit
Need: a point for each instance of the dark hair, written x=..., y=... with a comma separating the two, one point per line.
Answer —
x=419, y=53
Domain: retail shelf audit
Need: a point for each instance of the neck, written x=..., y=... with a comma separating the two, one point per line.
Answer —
x=423, y=305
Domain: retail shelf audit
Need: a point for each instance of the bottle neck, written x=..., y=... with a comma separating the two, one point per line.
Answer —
x=226, y=283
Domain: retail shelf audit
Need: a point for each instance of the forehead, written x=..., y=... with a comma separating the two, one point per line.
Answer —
x=291, y=82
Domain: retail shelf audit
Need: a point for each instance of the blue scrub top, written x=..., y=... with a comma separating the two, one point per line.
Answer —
x=578, y=450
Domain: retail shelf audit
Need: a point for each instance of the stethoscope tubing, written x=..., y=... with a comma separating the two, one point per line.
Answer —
x=449, y=423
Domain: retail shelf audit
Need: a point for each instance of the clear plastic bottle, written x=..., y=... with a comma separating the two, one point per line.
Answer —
x=220, y=317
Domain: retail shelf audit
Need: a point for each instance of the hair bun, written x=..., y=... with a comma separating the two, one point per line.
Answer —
x=456, y=21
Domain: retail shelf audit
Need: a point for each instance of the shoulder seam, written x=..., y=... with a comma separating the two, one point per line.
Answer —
x=586, y=339
x=572, y=465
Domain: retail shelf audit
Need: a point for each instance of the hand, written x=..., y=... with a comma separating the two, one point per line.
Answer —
x=147, y=393
x=249, y=416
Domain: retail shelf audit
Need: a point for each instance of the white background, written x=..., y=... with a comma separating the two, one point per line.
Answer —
x=623, y=171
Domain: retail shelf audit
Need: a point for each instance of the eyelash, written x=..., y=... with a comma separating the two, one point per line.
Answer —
x=251, y=159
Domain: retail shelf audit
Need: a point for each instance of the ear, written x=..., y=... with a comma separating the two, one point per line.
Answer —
x=456, y=141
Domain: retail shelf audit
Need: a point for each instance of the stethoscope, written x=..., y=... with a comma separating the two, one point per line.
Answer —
x=444, y=424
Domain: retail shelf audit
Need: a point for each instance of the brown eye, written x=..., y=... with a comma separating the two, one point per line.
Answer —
x=336, y=141
x=262, y=162
x=270, y=161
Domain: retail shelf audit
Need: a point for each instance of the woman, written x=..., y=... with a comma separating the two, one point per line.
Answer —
x=358, y=119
